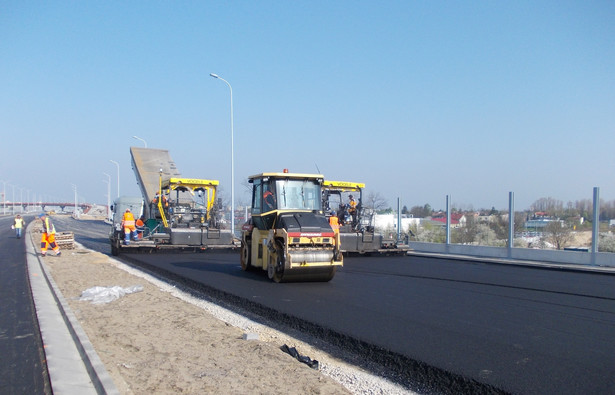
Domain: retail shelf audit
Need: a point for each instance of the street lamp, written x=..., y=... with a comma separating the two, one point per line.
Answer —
x=4, y=198
x=232, y=157
x=108, y=181
x=75, y=214
x=13, y=202
x=139, y=138
x=118, y=176
x=21, y=199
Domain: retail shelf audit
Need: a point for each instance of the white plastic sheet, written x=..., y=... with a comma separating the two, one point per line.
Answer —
x=100, y=295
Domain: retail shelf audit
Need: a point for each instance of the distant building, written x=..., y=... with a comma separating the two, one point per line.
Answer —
x=389, y=221
x=536, y=224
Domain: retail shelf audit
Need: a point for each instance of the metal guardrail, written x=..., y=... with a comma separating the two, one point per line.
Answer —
x=527, y=254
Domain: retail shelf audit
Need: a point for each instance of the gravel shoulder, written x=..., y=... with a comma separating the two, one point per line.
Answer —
x=163, y=340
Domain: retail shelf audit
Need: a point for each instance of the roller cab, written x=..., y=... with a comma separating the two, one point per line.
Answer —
x=288, y=234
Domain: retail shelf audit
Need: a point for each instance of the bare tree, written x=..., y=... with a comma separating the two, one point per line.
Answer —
x=375, y=201
x=465, y=234
x=558, y=234
x=549, y=205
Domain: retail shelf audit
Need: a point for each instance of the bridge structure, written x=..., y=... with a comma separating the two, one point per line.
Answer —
x=9, y=207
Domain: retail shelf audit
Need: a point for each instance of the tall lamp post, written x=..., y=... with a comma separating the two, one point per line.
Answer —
x=4, y=198
x=108, y=181
x=21, y=199
x=118, y=176
x=232, y=157
x=139, y=138
x=13, y=203
x=75, y=215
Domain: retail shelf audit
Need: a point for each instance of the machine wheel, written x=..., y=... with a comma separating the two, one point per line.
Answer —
x=115, y=247
x=246, y=253
x=275, y=267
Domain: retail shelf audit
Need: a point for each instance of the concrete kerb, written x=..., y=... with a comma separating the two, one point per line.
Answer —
x=73, y=364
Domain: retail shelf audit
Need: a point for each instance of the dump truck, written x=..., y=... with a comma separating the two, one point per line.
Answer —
x=178, y=213
x=357, y=232
x=288, y=234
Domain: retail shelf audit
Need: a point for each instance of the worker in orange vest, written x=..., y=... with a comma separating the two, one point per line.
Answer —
x=140, y=226
x=352, y=210
x=128, y=223
x=269, y=200
x=48, y=236
x=334, y=222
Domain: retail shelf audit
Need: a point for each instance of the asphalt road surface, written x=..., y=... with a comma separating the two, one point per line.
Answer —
x=453, y=326
x=23, y=369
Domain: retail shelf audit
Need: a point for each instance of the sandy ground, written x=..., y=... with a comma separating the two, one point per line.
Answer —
x=154, y=342
x=161, y=340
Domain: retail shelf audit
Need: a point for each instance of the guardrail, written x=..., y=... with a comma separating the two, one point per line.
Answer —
x=527, y=254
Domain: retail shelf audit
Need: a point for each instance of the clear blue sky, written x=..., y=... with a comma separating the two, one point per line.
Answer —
x=418, y=99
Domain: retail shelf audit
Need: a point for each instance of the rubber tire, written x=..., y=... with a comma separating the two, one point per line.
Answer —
x=245, y=256
x=275, y=261
x=115, y=247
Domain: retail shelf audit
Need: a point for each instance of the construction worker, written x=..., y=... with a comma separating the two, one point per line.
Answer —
x=352, y=210
x=48, y=236
x=165, y=202
x=269, y=200
x=130, y=230
x=18, y=225
x=140, y=226
x=334, y=222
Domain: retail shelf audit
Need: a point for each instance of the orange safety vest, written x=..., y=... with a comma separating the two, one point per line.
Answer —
x=335, y=225
x=129, y=220
x=269, y=199
x=165, y=203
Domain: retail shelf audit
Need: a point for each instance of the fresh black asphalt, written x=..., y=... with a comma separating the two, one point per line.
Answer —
x=485, y=327
x=23, y=369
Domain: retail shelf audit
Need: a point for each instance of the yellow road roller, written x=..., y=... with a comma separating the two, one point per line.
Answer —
x=288, y=234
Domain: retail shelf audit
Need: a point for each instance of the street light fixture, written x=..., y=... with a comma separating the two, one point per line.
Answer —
x=232, y=157
x=118, y=176
x=75, y=214
x=13, y=202
x=4, y=198
x=21, y=199
x=139, y=138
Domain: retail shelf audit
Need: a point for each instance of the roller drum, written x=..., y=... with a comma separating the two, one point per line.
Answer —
x=309, y=274
x=298, y=257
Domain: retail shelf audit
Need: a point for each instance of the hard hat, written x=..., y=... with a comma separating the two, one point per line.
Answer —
x=41, y=215
x=332, y=212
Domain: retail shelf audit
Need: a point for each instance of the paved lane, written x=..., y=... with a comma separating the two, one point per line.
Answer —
x=22, y=362
x=520, y=329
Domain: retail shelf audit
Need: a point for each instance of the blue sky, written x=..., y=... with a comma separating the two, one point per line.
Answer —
x=417, y=99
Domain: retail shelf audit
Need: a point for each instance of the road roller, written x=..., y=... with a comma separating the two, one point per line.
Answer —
x=288, y=234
